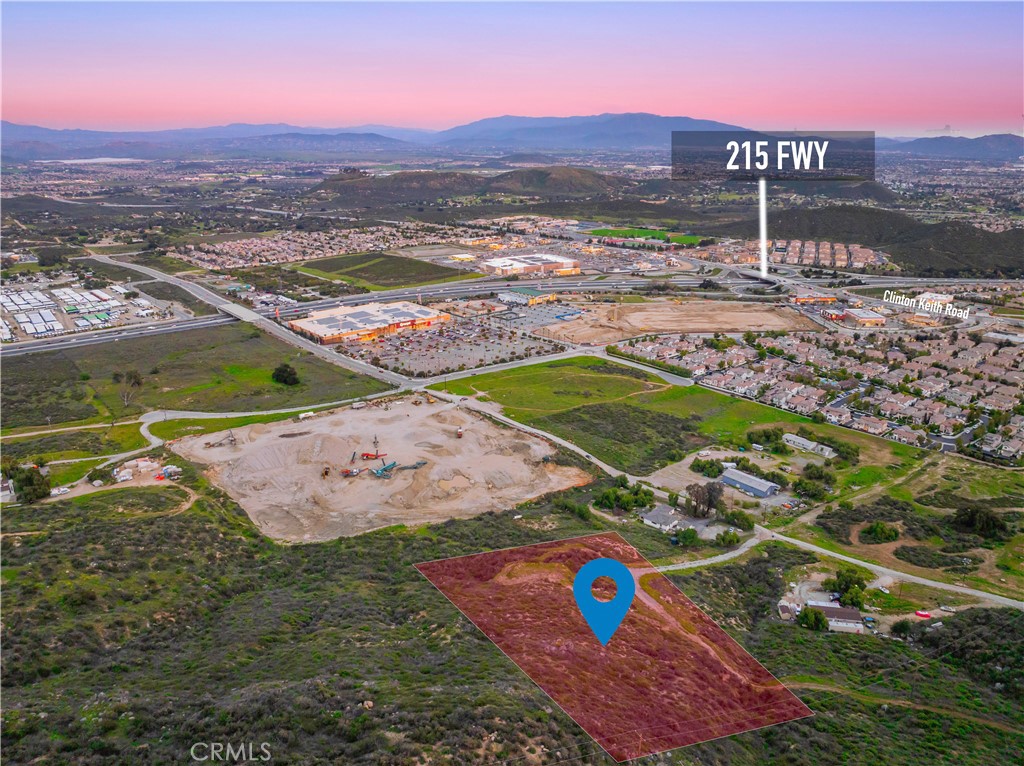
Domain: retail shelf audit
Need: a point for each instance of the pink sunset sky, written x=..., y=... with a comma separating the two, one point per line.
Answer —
x=899, y=69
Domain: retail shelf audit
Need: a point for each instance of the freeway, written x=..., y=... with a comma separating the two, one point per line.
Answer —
x=439, y=291
x=730, y=279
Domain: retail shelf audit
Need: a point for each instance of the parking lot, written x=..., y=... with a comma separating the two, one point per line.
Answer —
x=529, y=318
x=461, y=344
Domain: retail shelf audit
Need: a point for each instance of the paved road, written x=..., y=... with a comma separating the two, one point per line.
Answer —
x=439, y=291
x=897, y=574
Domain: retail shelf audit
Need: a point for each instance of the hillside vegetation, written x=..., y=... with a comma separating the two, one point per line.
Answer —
x=133, y=630
x=415, y=186
x=947, y=249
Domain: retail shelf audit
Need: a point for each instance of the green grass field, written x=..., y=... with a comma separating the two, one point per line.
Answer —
x=118, y=249
x=664, y=236
x=66, y=473
x=380, y=271
x=175, y=429
x=1008, y=311
x=154, y=260
x=225, y=368
x=606, y=409
x=110, y=271
x=165, y=291
x=69, y=445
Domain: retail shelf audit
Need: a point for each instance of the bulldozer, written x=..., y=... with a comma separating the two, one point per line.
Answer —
x=228, y=439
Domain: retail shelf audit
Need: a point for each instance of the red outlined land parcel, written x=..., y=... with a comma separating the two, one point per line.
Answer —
x=669, y=677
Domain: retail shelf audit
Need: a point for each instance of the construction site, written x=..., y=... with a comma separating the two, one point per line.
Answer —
x=412, y=460
x=601, y=324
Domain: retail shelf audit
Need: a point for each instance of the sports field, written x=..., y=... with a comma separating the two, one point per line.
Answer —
x=380, y=271
x=665, y=236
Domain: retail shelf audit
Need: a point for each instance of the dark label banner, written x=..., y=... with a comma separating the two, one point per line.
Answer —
x=746, y=155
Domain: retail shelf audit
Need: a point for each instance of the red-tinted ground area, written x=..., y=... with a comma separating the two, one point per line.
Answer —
x=669, y=677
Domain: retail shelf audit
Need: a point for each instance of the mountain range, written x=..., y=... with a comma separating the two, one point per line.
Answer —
x=603, y=132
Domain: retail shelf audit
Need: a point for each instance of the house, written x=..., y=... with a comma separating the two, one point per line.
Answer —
x=841, y=619
x=837, y=415
x=662, y=518
x=905, y=435
x=871, y=425
x=808, y=446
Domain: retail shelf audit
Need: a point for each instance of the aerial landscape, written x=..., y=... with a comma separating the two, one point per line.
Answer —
x=329, y=363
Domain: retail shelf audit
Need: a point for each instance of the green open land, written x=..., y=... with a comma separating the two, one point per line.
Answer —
x=951, y=519
x=109, y=270
x=131, y=627
x=1008, y=311
x=226, y=368
x=155, y=260
x=292, y=283
x=664, y=236
x=635, y=422
x=380, y=271
x=118, y=249
x=68, y=445
x=175, y=429
x=68, y=473
x=165, y=291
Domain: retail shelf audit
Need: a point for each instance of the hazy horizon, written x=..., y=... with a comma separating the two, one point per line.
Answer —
x=899, y=69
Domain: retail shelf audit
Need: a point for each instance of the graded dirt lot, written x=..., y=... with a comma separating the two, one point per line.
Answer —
x=601, y=324
x=274, y=469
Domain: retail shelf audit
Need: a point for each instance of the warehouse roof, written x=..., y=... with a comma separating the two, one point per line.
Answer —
x=749, y=480
x=370, y=316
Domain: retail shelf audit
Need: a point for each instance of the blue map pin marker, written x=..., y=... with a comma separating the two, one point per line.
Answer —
x=604, y=617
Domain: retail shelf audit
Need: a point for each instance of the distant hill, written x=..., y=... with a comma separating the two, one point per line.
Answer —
x=255, y=146
x=946, y=249
x=410, y=186
x=998, y=147
x=863, y=190
x=30, y=142
x=603, y=131
x=529, y=158
x=555, y=181
x=430, y=185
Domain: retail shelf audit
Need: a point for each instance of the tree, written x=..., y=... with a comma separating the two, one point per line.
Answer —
x=854, y=597
x=715, y=491
x=727, y=539
x=688, y=538
x=812, y=619
x=673, y=499
x=846, y=578
x=699, y=495
x=981, y=521
x=285, y=374
x=129, y=383
x=902, y=628
x=29, y=482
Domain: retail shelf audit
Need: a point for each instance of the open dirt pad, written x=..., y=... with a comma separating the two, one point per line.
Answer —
x=274, y=471
x=606, y=323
